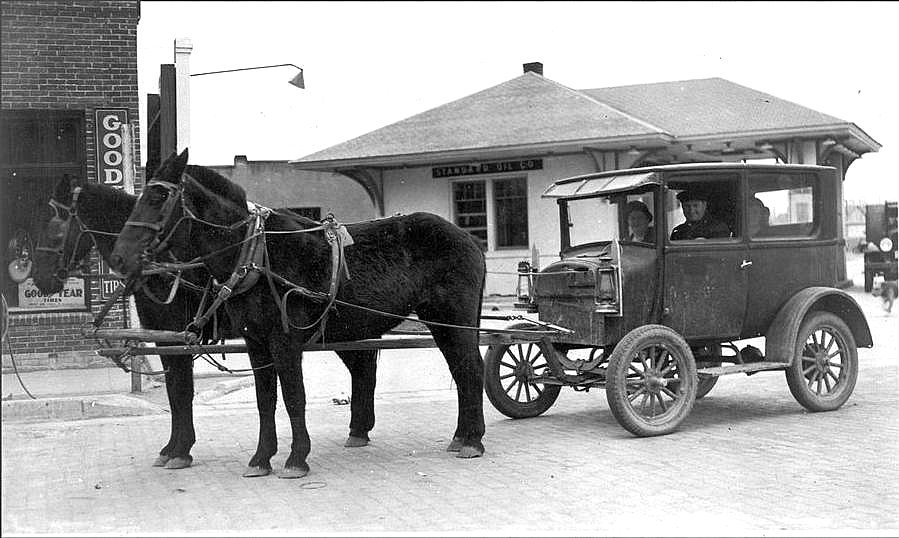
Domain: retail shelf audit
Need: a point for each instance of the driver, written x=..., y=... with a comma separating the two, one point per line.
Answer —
x=699, y=224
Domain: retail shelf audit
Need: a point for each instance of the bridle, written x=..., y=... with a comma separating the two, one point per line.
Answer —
x=65, y=261
x=174, y=197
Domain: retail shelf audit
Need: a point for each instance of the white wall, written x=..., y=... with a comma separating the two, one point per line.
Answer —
x=409, y=190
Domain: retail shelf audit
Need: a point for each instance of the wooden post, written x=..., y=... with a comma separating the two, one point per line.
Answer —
x=168, y=117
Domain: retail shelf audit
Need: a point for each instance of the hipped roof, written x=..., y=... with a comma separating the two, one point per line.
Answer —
x=531, y=113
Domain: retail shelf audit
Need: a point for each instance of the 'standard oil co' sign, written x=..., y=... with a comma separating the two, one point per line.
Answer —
x=523, y=165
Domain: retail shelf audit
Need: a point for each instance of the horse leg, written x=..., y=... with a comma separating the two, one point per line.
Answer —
x=288, y=356
x=460, y=350
x=362, y=365
x=266, y=399
x=179, y=386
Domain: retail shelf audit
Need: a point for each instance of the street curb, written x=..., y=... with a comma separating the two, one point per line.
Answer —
x=113, y=405
x=225, y=387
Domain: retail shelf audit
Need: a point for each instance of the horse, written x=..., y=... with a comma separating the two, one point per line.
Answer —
x=93, y=219
x=381, y=270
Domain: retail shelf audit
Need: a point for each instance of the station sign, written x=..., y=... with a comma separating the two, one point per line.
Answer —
x=521, y=165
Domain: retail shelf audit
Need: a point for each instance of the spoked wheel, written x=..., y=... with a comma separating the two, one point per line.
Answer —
x=508, y=379
x=825, y=367
x=652, y=381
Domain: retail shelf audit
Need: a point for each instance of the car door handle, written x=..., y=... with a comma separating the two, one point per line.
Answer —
x=745, y=264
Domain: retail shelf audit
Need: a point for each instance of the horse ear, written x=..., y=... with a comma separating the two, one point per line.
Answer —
x=73, y=181
x=180, y=163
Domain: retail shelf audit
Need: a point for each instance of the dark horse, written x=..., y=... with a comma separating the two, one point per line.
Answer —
x=95, y=218
x=419, y=262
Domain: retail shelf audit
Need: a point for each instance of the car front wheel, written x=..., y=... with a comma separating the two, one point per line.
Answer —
x=824, y=369
x=651, y=381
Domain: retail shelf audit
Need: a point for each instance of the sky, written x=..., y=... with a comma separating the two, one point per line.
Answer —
x=370, y=64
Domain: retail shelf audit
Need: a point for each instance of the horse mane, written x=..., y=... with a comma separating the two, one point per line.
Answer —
x=218, y=184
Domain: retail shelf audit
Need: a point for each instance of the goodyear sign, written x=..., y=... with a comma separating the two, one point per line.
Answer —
x=110, y=149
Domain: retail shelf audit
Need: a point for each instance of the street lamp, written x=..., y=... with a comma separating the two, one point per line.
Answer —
x=295, y=81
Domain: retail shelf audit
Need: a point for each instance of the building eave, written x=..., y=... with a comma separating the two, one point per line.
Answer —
x=618, y=143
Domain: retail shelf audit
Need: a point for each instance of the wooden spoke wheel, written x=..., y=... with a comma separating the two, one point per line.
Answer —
x=509, y=372
x=824, y=369
x=652, y=381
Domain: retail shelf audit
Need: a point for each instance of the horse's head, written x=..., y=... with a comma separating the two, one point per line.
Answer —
x=171, y=202
x=153, y=218
x=61, y=243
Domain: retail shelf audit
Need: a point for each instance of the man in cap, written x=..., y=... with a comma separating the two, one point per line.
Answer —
x=699, y=224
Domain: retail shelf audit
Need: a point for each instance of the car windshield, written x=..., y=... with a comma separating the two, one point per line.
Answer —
x=604, y=218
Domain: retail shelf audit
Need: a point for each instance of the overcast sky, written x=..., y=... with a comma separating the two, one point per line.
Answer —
x=370, y=64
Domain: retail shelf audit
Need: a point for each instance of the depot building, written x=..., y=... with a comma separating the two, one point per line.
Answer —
x=484, y=160
x=69, y=106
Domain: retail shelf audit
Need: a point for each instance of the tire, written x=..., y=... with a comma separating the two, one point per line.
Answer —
x=705, y=385
x=645, y=362
x=824, y=368
x=507, y=370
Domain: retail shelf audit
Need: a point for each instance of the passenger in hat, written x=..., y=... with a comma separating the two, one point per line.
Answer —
x=758, y=217
x=638, y=223
x=699, y=224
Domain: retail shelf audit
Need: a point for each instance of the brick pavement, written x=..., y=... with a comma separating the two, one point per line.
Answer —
x=748, y=461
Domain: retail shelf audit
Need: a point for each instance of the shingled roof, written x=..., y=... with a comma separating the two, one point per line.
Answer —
x=532, y=113
x=712, y=106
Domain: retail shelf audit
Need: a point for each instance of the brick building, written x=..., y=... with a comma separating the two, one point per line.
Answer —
x=69, y=99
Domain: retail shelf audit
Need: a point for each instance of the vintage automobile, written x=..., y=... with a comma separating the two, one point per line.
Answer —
x=880, y=243
x=656, y=321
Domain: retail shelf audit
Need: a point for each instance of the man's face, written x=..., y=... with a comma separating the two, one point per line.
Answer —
x=694, y=210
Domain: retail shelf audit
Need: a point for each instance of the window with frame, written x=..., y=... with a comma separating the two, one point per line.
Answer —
x=703, y=207
x=498, y=207
x=784, y=204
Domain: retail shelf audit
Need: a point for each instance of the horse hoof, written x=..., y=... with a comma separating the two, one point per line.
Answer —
x=352, y=441
x=293, y=472
x=161, y=461
x=455, y=445
x=179, y=462
x=253, y=472
x=468, y=452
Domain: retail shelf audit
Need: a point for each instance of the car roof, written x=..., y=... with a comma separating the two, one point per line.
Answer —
x=613, y=181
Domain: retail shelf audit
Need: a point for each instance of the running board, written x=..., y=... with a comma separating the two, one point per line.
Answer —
x=747, y=368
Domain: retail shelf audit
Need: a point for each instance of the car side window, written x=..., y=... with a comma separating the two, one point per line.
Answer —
x=703, y=208
x=782, y=205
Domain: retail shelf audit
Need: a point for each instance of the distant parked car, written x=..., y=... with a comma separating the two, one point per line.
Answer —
x=880, y=243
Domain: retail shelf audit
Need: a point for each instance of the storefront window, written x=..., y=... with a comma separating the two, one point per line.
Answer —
x=38, y=147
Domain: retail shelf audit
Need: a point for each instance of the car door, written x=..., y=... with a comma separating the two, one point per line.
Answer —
x=705, y=281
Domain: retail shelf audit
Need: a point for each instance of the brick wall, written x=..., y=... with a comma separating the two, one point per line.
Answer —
x=68, y=55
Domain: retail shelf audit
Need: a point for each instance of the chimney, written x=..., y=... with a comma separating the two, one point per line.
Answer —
x=534, y=67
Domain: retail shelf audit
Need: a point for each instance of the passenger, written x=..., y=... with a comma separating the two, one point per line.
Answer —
x=758, y=217
x=699, y=225
x=638, y=223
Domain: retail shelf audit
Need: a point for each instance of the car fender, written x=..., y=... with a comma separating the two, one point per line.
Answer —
x=780, y=339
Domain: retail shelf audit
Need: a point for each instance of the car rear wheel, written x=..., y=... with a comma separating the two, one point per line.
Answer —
x=508, y=378
x=824, y=369
x=651, y=382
